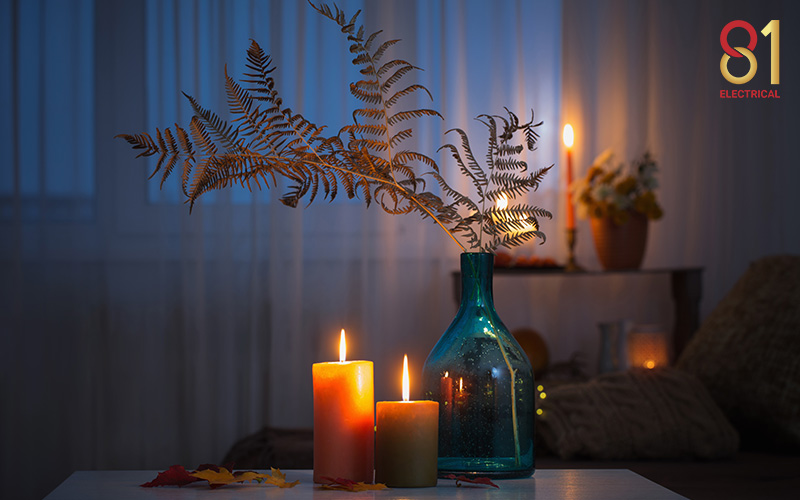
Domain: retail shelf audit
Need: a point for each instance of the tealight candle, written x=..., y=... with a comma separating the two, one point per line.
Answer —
x=407, y=441
x=344, y=423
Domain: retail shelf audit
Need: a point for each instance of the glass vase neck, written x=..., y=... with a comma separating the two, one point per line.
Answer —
x=476, y=279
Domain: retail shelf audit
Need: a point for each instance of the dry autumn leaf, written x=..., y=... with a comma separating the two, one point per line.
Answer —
x=342, y=484
x=278, y=478
x=174, y=476
x=217, y=476
x=475, y=480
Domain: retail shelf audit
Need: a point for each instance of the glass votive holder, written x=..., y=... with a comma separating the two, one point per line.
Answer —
x=648, y=346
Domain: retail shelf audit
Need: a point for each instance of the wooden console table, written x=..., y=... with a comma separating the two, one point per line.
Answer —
x=686, y=285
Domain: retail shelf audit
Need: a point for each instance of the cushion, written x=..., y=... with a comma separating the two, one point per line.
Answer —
x=659, y=413
x=747, y=353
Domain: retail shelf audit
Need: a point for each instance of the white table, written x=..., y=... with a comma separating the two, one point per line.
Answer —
x=572, y=484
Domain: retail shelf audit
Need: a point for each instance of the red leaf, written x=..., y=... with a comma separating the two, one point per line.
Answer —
x=174, y=476
x=475, y=480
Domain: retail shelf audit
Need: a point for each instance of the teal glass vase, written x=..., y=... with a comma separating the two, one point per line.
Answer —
x=484, y=384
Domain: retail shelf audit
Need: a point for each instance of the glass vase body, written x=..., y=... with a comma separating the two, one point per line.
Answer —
x=484, y=384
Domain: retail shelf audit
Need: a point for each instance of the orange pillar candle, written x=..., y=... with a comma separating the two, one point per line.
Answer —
x=569, y=138
x=407, y=441
x=344, y=423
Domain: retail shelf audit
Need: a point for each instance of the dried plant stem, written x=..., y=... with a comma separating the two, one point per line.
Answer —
x=512, y=374
x=410, y=196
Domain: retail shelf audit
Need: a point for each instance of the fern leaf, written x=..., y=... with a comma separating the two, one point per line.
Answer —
x=368, y=43
x=475, y=172
x=140, y=141
x=396, y=77
x=223, y=132
x=400, y=137
x=368, y=85
x=538, y=176
x=406, y=157
x=376, y=56
x=506, y=164
x=375, y=114
x=508, y=149
x=371, y=97
x=387, y=66
x=372, y=130
x=411, y=114
x=391, y=101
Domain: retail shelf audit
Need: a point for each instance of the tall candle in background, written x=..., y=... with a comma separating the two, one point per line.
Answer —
x=344, y=419
x=407, y=441
x=569, y=138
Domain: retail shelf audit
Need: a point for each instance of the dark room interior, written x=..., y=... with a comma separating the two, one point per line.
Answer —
x=143, y=328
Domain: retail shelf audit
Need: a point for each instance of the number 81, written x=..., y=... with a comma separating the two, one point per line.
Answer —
x=772, y=28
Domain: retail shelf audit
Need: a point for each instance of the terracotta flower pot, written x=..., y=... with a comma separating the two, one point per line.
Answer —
x=620, y=247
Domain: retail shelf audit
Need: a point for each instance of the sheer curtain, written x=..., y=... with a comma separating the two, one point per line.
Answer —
x=138, y=335
x=639, y=75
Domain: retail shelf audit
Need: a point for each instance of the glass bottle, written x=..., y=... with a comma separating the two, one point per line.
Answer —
x=484, y=384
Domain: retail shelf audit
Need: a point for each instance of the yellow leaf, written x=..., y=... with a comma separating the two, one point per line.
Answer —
x=249, y=475
x=278, y=479
x=215, y=478
x=223, y=477
x=349, y=485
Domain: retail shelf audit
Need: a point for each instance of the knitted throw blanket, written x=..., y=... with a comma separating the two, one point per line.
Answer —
x=661, y=413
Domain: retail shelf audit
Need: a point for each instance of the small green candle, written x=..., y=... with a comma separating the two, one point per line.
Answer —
x=407, y=441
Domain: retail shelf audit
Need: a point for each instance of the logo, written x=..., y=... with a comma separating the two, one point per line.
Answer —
x=771, y=30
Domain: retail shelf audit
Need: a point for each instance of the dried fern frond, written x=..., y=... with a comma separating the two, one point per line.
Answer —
x=504, y=179
x=265, y=140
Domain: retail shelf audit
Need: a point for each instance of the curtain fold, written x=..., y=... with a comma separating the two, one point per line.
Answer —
x=139, y=335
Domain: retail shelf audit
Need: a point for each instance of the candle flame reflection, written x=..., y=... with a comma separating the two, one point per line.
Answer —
x=405, y=378
x=342, y=348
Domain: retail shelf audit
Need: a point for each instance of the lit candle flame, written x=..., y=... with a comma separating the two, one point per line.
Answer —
x=650, y=364
x=569, y=135
x=446, y=374
x=342, y=348
x=405, y=378
x=460, y=384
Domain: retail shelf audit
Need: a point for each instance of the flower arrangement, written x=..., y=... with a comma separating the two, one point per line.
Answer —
x=608, y=191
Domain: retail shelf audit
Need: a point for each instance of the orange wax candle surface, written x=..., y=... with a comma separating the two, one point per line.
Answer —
x=407, y=441
x=344, y=424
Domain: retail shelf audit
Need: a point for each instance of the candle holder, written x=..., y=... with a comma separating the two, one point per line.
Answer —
x=572, y=266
